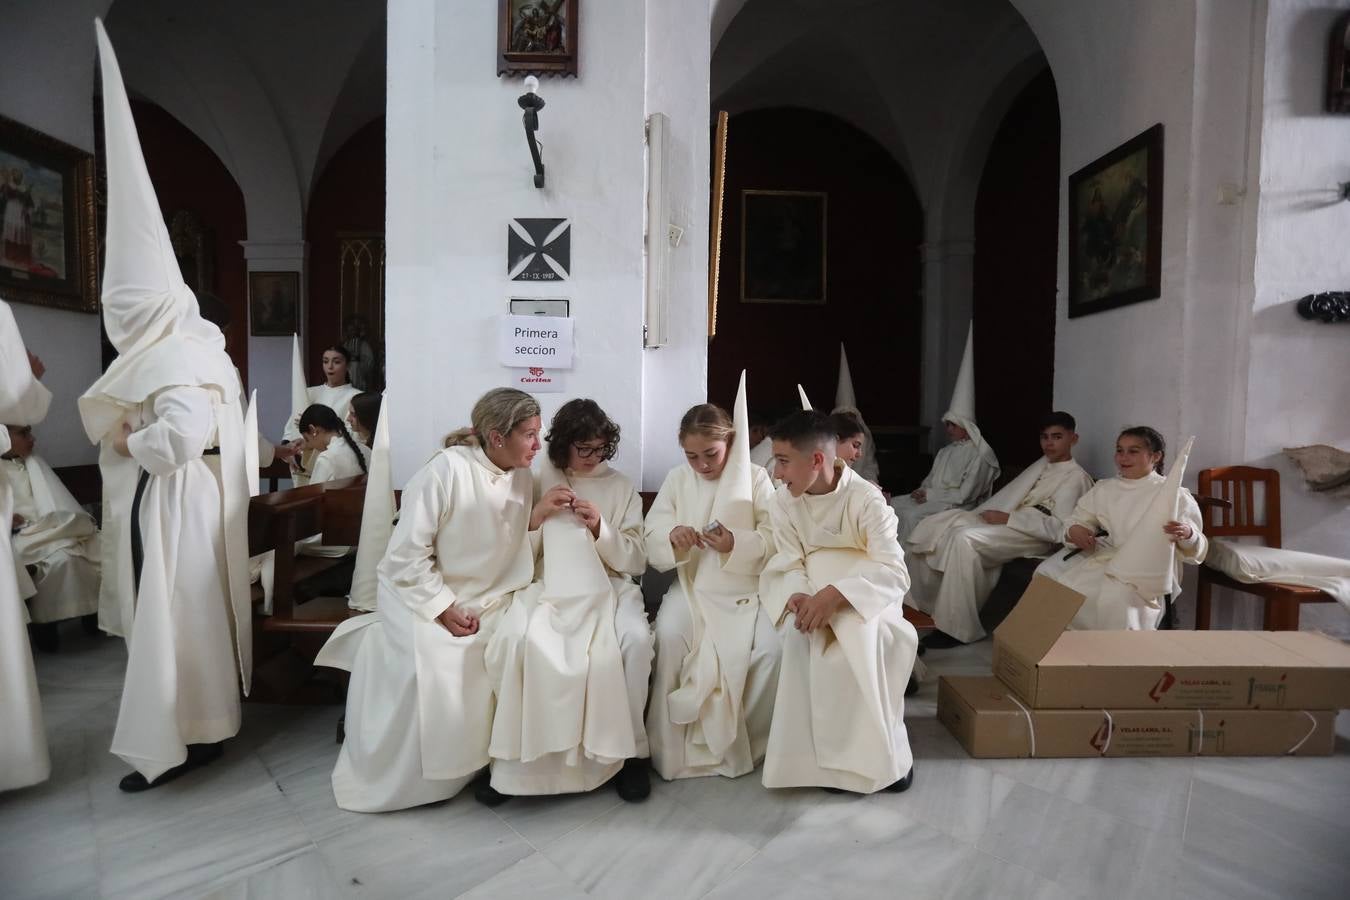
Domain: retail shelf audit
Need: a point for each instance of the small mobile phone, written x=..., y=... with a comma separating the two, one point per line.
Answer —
x=713, y=527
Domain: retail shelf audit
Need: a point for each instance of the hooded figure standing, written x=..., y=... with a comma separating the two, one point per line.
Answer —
x=170, y=426
x=23, y=742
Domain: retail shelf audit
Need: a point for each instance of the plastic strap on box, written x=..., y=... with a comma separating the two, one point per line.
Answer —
x=1110, y=731
x=1200, y=735
x=1303, y=740
x=1031, y=728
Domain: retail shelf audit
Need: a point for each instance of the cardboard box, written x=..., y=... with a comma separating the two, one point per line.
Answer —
x=982, y=714
x=1050, y=668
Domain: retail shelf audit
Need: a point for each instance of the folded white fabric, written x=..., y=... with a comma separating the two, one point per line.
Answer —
x=1254, y=564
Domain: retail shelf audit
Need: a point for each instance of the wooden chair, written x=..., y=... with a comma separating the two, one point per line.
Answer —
x=1228, y=509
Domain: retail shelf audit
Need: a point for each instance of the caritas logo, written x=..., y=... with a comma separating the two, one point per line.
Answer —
x=535, y=376
x=1163, y=686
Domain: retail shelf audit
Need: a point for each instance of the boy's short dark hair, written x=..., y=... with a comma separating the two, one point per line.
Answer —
x=805, y=429
x=1059, y=419
x=579, y=420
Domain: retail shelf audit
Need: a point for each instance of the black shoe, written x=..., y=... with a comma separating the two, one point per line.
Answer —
x=903, y=784
x=486, y=794
x=913, y=687
x=45, y=637
x=198, y=755
x=940, y=640
x=634, y=781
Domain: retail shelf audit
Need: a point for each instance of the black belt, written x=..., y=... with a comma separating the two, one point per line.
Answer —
x=211, y=451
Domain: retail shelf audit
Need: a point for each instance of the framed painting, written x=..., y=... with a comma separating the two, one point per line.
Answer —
x=48, y=246
x=1115, y=227
x=783, y=246
x=537, y=37
x=273, y=303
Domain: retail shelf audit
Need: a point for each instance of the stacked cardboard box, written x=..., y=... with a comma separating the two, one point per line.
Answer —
x=1057, y=693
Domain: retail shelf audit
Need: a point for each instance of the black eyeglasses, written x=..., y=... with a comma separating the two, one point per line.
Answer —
x=605, y=451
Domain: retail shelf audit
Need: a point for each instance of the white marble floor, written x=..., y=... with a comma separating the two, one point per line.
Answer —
x=261, y=823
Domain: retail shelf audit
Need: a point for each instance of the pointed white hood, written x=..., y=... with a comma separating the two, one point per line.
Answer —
x=377, y=516
x=150, y=314
x=846, y=401
x=801, y=392
x=734, y=504
x=961, y=411
x=299, y=390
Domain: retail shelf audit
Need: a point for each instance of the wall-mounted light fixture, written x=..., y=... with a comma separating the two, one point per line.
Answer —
x=531, y=102
x=655, y=331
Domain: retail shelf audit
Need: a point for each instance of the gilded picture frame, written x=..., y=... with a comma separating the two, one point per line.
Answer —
x=48, y=244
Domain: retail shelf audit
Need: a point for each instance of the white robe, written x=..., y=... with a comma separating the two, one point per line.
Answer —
x=839, y=720
x=182, y=682
x=1115, y=505
x=420, y=704
x=565, y=718
x=58, y=540
x=955, y=557
x=23, y=741
x=960, y=478
x=686, y=499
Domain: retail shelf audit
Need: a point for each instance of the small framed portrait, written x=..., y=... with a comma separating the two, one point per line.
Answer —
x=1115, y=227
x=783, y=246
x=537, y=37
x=48, y=244
x=273, y=303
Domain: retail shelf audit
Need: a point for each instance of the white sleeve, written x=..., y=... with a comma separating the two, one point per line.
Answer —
x=183, y=424
x=23, y=399
x=410, y=561
x=621, y=544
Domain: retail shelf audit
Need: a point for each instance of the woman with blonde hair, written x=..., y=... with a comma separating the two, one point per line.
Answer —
x=420, y=704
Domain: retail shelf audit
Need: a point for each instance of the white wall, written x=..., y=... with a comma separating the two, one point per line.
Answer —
x=47, y=67
x=459, y=170
x=1300, y=371
x=675, y=376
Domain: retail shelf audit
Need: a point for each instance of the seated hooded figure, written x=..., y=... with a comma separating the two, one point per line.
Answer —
x=964, y=471
x=53, y=539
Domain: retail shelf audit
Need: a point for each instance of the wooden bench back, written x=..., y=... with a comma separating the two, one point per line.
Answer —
x=1244, y=514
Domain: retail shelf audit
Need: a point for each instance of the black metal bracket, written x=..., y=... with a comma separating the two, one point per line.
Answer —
x=532, y=103
x=1328, y=306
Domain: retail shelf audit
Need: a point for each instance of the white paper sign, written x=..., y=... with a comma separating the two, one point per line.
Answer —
x=534, y=341
x=537, y=381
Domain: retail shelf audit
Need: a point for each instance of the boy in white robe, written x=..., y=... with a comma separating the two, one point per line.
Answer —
x=57, y=541
x=167, y=415
x=571, y=660
x=717, y=653
x=420, y=702
x=955, y=557
x=1127, y=537
x=835, y=587
x=23, y=740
